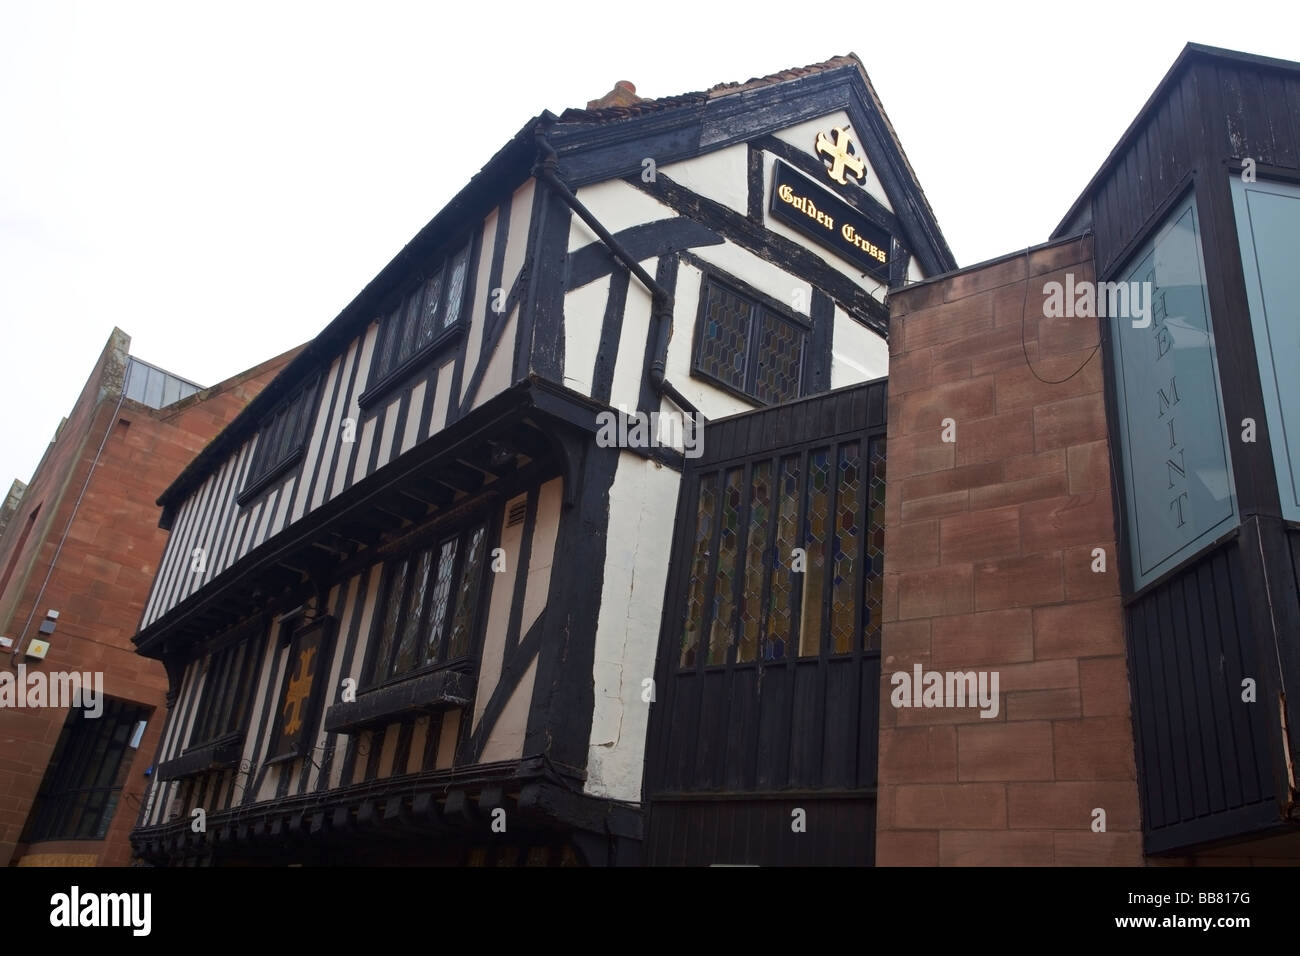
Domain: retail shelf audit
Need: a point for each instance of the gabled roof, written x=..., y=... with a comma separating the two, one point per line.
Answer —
x=594, y=145
x=847, y=62
x=1189, y=54
x=690, y=99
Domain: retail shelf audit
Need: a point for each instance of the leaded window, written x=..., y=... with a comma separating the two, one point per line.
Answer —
x=280, y=438
x=747, y=345
x=787, y=557
x=422, y=317
x=227, y=687
x=430, y=605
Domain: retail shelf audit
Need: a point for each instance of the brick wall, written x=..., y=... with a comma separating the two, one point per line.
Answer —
x=103, y=573
x=989, y=550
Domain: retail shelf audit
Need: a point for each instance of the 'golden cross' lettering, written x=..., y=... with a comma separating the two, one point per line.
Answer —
x=838, y=150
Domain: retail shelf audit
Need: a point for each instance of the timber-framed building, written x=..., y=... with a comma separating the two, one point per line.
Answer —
x=412, y=600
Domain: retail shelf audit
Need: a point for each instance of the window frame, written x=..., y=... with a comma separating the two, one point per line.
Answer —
x=395, y=315
x=375, y=675
x=808, y=630
x=220, y=659
x=759, y=304
x=298, y=408
x=68, y=772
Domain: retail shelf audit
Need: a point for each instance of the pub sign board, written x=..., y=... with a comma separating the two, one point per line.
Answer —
x=828, y=220
x=302, y=691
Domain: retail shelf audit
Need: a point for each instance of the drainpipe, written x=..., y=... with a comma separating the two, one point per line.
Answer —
x=661, y=301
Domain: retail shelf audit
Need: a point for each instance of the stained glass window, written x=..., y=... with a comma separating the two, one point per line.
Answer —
x=693, y=627
x=815, y=537
x=780, y=605
x=844, y=552
x=724, y=603
x=725, y=337
x=780, y=357
x=874, y=572
x=774, y=543
x=756, y=545
x=747, y=346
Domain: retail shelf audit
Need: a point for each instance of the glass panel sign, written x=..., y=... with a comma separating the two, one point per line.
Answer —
x=1268, y=230
x=1177, y=477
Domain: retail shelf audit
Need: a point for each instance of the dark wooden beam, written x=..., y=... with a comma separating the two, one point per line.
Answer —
x=458, y=476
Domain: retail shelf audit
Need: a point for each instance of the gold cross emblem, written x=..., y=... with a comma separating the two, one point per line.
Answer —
x=295, y=697
x=838, y=149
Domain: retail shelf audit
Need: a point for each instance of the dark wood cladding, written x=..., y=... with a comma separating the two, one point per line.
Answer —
x=1293, y=548
x=1212, y=767
x=1202, y=751
x=733, y=750
x=1146, y=180
x=781, y=427
x=1210, y=113
x=805, y=730
x=841, y=831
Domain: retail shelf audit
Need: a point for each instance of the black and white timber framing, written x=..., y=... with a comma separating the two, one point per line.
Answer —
x=489, y=422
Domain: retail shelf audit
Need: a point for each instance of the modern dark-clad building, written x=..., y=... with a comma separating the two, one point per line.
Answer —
x=1112, y=530
x=1201, y=198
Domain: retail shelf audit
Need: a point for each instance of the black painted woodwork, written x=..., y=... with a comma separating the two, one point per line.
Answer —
x=220, y=754
x=1211, y=768
x=733, y=748
x=436, y=690
x=432, y=817
x=366, y=504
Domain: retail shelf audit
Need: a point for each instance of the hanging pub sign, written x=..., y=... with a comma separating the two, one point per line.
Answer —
x=828, y=220
x=302, y=691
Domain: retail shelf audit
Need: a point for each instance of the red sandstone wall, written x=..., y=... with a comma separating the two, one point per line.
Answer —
x=103, y=574
x=988, y=567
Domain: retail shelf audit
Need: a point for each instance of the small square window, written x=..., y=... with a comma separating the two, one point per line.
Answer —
x=747, y=346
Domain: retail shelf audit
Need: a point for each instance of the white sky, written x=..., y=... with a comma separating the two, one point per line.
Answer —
x=220, y=179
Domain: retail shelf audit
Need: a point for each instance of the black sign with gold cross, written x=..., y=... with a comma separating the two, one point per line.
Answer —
x=300, y=694
x=825, y=218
